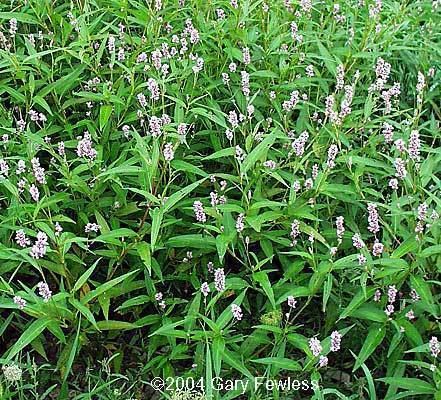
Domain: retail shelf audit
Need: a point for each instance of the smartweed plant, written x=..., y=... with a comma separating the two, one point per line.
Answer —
x=239, y=198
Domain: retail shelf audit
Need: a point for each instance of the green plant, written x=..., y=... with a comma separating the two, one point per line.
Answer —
x=221, y=190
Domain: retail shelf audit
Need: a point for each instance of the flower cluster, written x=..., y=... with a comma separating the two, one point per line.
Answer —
x=85, y=147
x=12, y=372
x=39, y=248
x=199, y=212
x=44, y=291
x=237, y=312
x=219, y=279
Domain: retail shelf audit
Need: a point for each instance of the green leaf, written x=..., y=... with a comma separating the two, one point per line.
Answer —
x=424, y=348
x=83, y=278
x=21, y=17
x=110, y=237
x=195, y=241
x=357, y=301
x=42, y=102
x=73, y=351
x=262, y=278
x=179, y=195
x=208, y=372
x=217, y=352
x=327, y=57
x=371, y=384
x=279, y=362
x=168, y=329
x=408, y=246
x=105, y=287
x=226, y=315
x=264, y=74
x=180, y=165
x=300, y=342
x=6, y=323
x=423, y=289
x=222, y=242
x=430, y=251
x=143, y=250
x=230, y=151
x=312, y=232
x=216, y=118
x=111, y=325
x=105, y=112
x=370, y=312
x=257, y=153
x=327, y=291
x=192, y=312
x=413, y=384
x=135, y=301
x=121, y=170
x=373, y=340
x=84, y=310
x=157, y=216
x=102, y=222
x=32, y=332
x=232, y=359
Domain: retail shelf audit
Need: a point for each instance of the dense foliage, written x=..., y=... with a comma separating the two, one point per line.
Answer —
x=214, y=189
